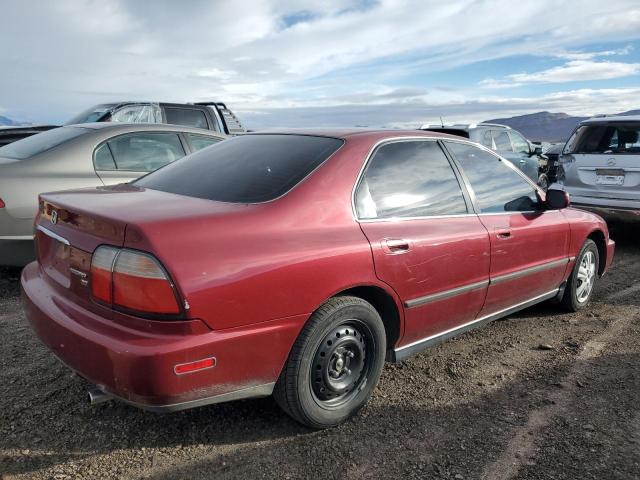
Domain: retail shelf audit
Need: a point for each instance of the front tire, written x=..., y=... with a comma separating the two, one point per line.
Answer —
x=583, y=278
x=334, y=364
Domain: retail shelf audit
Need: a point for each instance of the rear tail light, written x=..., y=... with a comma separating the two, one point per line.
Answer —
x=2, y=205
x=133, y=281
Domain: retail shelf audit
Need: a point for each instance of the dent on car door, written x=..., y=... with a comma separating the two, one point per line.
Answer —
x=529, y=246
x=127, y=157
x=425, y=244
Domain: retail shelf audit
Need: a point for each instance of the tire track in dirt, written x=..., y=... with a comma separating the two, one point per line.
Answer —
x=521, y=448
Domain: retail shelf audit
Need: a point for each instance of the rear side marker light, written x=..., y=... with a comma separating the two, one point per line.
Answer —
x=132, y=280
x=196, y=366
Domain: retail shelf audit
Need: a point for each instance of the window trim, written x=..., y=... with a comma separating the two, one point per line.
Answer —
x=504, y=162
x=187, y=139
x=454, y=167
x=106, y=141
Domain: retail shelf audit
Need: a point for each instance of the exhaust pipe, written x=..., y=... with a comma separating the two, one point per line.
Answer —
x=96, y=396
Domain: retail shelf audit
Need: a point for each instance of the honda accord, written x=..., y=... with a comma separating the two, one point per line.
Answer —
x=296, y=263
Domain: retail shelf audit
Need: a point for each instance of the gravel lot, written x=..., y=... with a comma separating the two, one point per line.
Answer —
x=542, y=394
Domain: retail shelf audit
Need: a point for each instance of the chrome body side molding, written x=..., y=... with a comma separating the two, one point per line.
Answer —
x=434, y=297
x=401, y=353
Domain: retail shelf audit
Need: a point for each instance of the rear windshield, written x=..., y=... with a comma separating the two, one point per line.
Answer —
x=605, y=138
x=247, y=169
x=35, y=144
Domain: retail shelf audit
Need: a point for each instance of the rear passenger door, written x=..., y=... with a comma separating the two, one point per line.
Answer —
x=127, y=157
x=426, y=243
x=529, y=245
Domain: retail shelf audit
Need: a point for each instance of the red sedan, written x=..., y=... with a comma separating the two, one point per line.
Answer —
x=295, y=264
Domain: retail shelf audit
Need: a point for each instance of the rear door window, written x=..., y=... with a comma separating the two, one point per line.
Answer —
x=143, y=152
x=248, y=169
x=409, y=179
x=497, y=186
x=198, y=142
x=102, y=158
x=502, y=141
x=189, y=117
x=41, y=142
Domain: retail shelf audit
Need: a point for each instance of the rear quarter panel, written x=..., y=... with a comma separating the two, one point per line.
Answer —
x=279, y=259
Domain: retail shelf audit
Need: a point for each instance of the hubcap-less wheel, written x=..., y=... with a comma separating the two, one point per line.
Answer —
x=340, y=364
x=585, y=276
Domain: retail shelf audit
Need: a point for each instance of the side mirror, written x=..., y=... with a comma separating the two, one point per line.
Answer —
x=557, y=199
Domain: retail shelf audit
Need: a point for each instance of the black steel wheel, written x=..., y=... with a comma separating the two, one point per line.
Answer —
x=341, y=363
x=334, y=364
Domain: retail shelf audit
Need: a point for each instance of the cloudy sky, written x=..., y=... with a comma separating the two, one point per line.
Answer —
x=304, y=63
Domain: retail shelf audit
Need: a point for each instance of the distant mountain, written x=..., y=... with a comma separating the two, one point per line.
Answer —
x=8, y=122
x=546, y=126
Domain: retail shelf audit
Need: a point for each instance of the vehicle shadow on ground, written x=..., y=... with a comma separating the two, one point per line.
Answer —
x=400, y=441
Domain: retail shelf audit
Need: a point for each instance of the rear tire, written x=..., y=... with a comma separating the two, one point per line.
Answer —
x=583, y=278
x=334, y=364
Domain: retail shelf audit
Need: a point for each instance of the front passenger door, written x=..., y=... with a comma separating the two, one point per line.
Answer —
x=529, y=245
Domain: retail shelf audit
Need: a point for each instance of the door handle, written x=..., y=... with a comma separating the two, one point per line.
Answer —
x=395, y=245
x=503, y=233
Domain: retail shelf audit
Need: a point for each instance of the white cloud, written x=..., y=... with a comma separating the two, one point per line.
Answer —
x=572, y=71
x=60, y=57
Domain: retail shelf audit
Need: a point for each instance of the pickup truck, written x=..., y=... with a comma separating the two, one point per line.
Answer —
x=215, y=116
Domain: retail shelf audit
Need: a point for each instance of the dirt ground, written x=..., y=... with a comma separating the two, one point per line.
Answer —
x=495, y=403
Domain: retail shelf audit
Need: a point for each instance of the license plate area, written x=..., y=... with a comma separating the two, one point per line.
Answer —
x=610, y=176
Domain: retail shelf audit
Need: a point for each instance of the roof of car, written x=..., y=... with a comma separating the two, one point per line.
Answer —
x=346, y=133
x=613, y=118
x=461, y=126
x=137, y=127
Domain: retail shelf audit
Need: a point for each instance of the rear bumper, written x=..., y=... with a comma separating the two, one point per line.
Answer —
x=609, y=208
x=138, y=366
x=17, y=252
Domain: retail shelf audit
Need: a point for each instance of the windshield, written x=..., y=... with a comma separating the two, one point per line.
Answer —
x=41, y=142
x=248, y=169
x=605, y=138
x=93, y=114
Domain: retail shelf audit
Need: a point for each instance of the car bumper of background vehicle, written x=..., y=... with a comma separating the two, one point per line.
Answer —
x=16, y=252
x=609, y=208
x=138, y=368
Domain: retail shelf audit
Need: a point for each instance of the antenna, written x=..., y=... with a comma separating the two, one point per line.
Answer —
x=441, y=122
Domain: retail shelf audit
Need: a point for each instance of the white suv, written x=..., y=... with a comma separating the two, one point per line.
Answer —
x=600, y=166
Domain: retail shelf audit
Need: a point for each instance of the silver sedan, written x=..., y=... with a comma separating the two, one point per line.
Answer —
x=87, y=155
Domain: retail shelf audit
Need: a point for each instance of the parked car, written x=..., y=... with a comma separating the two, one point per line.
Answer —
x=214, y=116
x=294, y=264
x=599, y=166
x=504, y=140
x=550, y=162
x=86, y=155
